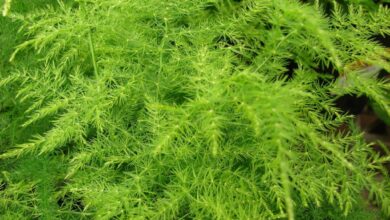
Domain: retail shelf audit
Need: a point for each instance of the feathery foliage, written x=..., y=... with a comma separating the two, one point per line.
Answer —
x=146, y=109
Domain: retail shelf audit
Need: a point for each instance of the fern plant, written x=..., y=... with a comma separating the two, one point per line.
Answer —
x=116, y=109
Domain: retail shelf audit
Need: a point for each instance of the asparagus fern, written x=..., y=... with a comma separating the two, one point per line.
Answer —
x=187, y=109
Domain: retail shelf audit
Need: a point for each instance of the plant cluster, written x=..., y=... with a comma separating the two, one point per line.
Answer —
x=190, y=109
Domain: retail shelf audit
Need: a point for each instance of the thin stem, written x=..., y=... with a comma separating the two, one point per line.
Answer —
x=91, y=48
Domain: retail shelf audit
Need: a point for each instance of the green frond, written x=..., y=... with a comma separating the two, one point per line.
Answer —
x=191, y=109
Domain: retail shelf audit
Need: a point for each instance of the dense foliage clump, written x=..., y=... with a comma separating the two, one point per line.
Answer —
x=189, y=109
